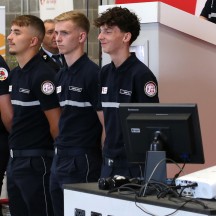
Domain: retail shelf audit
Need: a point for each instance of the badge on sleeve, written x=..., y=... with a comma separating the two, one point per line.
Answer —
x=3, y=74
x=47, y=87
x=150, y=89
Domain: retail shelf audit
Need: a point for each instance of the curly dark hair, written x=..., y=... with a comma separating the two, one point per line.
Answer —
x=126, y=20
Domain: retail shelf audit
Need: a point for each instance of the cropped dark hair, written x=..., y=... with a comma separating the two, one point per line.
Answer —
x=33, y=21
x=126, y=20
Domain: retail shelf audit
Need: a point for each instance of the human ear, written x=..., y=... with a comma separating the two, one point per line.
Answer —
x=82, y=37
x=34, y=41
x=127, y=37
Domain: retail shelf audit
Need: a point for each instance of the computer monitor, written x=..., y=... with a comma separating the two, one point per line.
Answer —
x=175, y=126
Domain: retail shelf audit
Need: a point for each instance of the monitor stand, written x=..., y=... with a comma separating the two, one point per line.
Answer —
x=155, y=167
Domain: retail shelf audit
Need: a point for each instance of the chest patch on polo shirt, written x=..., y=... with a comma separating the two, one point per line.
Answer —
x=3, y=74
x=58, y=89
x=10, y=88
x=104, y=90
x=76, y=89
x=25, y=91
x=150, y=89
x=47, y=87
x=125, y=92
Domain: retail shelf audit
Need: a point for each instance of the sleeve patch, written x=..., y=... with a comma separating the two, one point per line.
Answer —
x=150, y=89
x=47, y=87
x=3, y=74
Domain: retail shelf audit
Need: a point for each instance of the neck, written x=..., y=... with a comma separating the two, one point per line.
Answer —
x=23, y=59
x=119, y=58
x=73, y=57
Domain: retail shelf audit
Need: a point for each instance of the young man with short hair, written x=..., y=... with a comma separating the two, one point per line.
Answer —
x=125, y=80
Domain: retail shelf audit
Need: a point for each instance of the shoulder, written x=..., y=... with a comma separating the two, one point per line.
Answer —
x=88, y=61
x=139, y=67
x=4, y=69
x=93, y=65
x=42, y=52
x=3, y=64
x=141, y=72
x=88, y=66
x=41, y=70
x=1, y=59
x=106, y=67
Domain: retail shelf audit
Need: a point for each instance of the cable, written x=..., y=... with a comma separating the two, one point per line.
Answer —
x=185, y=202
x=161, y=190
x=152, y=175
x=125, y=187
x=186, y=186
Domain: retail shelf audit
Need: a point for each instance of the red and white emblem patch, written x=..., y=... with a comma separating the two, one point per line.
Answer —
x=47, y=87
x=150, y=89
x=3, y=74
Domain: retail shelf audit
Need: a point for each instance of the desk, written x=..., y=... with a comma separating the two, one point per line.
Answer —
x=88, y=198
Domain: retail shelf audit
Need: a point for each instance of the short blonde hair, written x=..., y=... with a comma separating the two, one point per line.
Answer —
x=76, y=17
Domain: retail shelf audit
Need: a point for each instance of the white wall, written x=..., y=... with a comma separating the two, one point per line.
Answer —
x=50, y=9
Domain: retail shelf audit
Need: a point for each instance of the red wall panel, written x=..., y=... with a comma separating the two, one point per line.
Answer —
x=185, y=5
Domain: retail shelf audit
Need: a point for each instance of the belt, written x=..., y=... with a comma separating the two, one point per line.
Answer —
x=73, y=151
x=115, y=162
x=31, y=153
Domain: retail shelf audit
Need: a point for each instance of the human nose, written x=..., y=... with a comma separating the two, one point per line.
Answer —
x=9, y=36
x=100, y=36
x=57, y=37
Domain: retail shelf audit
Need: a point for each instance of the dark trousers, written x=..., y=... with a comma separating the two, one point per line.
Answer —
x=28, y=186
x=71, y=169
x=4, y=156
x=112, y=167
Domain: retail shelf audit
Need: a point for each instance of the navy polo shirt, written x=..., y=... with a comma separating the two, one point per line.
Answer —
x=32, y=91
x=77, y=89
x=132, y=82
x=4, y=72
x=209, y=11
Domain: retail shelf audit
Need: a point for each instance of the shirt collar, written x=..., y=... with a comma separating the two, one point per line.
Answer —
x=130, y=60
x=77, y=64
x=33, y=62
x=48, y=53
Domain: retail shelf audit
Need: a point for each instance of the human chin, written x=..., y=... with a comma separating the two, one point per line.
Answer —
x=105, y=50
x=12, y=52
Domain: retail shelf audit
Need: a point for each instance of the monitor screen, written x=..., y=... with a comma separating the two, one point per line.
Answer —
x=177, y=124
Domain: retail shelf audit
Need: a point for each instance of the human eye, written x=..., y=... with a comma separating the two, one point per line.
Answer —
x=106, y=31
x=16, y=32
x=50, y=32
x=64, y=33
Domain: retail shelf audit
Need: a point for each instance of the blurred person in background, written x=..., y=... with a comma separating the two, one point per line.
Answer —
x=49, y=50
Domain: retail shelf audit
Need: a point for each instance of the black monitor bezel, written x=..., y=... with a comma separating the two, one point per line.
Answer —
x=128, y=109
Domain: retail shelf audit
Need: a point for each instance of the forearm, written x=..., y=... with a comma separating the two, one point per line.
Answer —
x=6, y=110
